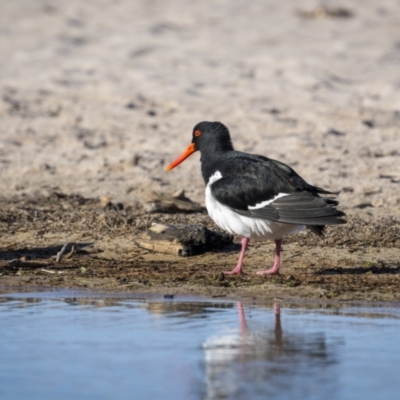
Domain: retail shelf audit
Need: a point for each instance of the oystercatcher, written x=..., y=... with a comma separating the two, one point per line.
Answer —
x=254, y=196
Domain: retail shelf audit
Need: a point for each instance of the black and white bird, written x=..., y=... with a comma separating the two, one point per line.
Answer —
x=254, y=196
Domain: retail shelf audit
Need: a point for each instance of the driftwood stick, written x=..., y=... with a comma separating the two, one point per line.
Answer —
x=48, y=271
x=70, y=254
x=183, y=240
x=61, y=253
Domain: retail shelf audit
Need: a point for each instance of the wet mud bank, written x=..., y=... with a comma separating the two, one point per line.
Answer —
x=71, y=242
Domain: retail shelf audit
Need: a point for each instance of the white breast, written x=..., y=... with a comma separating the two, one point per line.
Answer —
x=252, y=228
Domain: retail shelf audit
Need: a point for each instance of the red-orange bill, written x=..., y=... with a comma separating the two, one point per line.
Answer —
x=189, y=150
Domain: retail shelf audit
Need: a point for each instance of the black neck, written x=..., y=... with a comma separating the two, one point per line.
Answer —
x=211, y=161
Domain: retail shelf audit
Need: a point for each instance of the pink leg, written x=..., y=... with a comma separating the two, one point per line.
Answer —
x=238, y=270
x=275, y=268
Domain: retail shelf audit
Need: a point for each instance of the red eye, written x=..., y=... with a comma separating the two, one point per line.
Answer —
x=197, y=133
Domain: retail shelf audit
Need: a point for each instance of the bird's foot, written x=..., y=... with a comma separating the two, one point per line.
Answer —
x=236, y=271
x=272, y=271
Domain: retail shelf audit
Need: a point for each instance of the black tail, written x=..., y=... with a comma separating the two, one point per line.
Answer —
x=319, y=230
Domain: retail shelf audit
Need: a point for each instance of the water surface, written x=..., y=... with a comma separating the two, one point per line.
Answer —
x=65, y=345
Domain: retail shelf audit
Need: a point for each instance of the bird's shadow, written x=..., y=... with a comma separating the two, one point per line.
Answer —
x=228, y=248
x=46, y=252
x=360, y=270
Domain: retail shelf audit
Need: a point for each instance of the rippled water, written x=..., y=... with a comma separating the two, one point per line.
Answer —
x=69, y=346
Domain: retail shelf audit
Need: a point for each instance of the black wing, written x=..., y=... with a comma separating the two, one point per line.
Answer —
x=254, y=180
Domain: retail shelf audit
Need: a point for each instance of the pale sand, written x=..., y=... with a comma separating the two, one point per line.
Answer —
x=279, y=81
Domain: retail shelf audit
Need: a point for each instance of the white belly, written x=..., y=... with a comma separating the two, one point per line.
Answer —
x=252, y=228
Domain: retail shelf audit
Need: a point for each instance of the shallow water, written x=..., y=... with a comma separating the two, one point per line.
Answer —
x=64, y=345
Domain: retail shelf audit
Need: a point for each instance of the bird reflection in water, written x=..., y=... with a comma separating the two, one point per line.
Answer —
x=251, y=363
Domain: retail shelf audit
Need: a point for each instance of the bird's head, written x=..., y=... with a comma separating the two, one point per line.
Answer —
x=206, y=137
